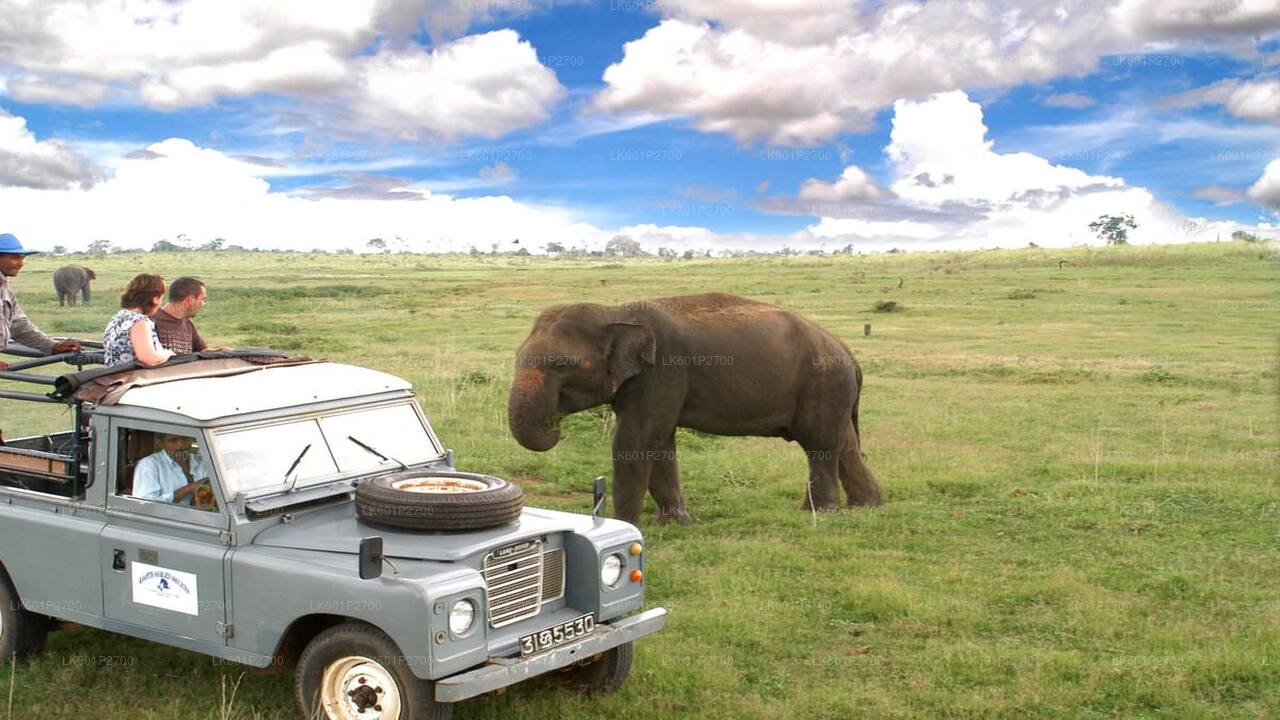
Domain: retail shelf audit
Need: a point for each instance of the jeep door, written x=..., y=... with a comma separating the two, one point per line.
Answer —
x=163, y=558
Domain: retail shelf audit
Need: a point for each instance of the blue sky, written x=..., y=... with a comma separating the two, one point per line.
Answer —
x=700, y=124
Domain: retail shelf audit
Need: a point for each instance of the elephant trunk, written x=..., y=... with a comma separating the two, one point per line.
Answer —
x=531, y=410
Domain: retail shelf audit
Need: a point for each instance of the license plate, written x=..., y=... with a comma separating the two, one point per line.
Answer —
x=557, y=635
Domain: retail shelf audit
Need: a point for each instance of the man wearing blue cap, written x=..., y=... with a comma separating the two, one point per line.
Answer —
x=14, y=324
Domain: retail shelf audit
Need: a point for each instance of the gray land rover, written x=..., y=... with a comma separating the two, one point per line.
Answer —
x=277, y=512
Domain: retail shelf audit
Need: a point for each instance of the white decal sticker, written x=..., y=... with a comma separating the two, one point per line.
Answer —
x=163, y=588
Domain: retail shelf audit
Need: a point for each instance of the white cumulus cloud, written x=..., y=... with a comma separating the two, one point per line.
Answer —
x=1266, y=191
x=799, y=72
x=28, y=162
x=852, y=185
x=355, y=59
x=951, y=188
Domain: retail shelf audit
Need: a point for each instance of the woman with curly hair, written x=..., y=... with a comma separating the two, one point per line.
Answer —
x=131, y=334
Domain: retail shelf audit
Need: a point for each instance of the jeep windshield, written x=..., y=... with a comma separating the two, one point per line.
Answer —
x=316, y=449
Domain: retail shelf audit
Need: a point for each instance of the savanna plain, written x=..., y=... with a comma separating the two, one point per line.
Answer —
x=1079, y=451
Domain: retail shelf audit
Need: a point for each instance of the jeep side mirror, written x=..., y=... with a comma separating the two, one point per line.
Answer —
x=597, y=496
x=370, y=557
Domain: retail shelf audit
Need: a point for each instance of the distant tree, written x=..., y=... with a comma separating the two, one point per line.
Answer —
x=59, y=250
x=622, y=245
x=1240, y=235
x=100, y=247
x=473, y=251
x=344, y=251
x=376, y=244
x=214, y=245
x=165, y=246
x=554, y=247
x=183, y=241
x=522, y=252
x=667, y=253
x=1113, y=228
x=688, y=255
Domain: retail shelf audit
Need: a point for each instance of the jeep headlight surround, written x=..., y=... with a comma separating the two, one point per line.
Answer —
x=462, y=617
x=611, y=570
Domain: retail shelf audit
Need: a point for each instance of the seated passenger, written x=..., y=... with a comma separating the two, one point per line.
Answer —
x=131, y=334
x=172, y=474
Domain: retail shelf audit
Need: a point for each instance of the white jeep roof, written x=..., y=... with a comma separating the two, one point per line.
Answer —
x=265, y=388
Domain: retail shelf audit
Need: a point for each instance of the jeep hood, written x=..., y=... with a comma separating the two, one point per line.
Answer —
x=337, y=529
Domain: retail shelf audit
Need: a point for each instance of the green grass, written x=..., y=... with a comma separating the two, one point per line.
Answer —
x=1080, y=464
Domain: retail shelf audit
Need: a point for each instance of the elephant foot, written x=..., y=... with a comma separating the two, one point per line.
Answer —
x=678, y=515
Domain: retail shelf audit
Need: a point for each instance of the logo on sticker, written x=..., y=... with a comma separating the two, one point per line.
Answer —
x=164, y=588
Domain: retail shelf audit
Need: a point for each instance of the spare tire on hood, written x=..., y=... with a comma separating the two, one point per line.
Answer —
x=426, y=499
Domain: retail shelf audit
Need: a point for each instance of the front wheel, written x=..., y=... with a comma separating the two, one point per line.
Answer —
x=22, y=632
x=354, y=671
x=606, y=673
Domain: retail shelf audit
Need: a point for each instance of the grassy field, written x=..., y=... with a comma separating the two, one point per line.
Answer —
x=1080, y=464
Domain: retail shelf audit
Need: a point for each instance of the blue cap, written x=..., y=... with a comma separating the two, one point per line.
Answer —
x=9, y=245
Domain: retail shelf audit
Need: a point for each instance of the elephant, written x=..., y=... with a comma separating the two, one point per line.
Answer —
x=716, y=363
x=71, y=280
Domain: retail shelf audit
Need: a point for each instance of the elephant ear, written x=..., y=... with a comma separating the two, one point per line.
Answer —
x=629, y=349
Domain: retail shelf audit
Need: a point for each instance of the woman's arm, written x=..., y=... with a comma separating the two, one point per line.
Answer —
x=146, y=354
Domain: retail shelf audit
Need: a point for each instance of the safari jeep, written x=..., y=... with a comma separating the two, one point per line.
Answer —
x=321, y=525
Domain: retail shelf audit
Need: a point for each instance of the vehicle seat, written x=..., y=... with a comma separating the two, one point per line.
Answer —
x=137, y=445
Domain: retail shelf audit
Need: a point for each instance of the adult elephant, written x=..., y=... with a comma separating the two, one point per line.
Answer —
x=716, y=363
x=72, y=280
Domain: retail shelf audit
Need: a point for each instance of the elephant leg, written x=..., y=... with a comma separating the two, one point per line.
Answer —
x=860, y=484
x=823, y=492
x=632, y=468
x=664, y=484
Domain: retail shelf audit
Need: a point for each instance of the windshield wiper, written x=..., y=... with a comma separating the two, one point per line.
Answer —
x=376, y=453
x=294, y=466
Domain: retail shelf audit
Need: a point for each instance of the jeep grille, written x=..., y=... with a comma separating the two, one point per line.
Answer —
x=552, y=575
x=513, y=577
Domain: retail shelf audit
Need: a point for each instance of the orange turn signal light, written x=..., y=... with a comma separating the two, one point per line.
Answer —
x=636, y=576
x=635, y=549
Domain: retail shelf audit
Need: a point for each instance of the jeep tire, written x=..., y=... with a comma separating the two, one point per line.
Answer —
x=354, y=670
x=22, y=632
x=425, y=499
x=607, y=672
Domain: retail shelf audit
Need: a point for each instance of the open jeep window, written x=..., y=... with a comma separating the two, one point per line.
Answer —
x=164, y=467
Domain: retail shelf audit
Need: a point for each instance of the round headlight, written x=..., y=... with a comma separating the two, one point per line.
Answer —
x=611, y=571
x=461, y=616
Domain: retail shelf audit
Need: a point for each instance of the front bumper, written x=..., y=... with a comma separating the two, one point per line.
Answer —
x=504, y=672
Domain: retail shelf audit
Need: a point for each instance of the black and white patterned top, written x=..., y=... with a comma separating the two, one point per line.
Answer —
x=115, y=339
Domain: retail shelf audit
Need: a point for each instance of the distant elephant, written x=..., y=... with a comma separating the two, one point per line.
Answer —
x=716, y=363
x=71, y=280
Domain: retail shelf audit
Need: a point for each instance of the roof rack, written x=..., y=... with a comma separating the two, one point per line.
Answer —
x=17, y=371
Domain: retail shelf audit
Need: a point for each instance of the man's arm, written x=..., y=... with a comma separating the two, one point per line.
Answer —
x=24, y=331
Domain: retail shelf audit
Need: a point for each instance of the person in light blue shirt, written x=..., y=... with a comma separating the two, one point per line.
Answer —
x=171, y=474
